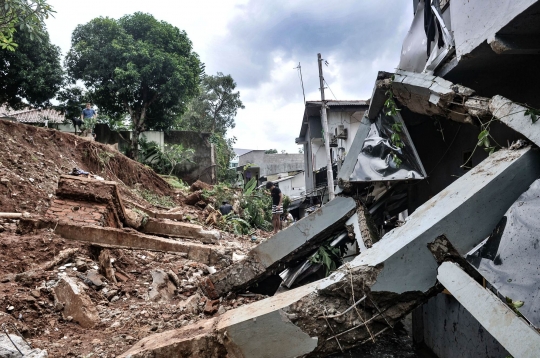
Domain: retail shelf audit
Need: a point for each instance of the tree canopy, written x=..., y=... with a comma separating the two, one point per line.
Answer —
x=72, y=101
x=136, y=65
x=215, y=108
x=32, y=74
x=27, y=15
x=214, y=111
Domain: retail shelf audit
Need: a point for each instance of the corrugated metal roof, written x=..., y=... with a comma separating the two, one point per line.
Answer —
x=31, y=115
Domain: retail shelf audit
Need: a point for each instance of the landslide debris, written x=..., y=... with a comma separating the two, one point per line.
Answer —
x=60, y=294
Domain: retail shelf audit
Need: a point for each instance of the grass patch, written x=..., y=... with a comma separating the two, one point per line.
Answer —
x=155, y=199
x=175, y=182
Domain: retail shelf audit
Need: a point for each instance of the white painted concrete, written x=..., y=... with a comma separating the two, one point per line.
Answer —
x=465, y=212
x=512, y=332
x=513, y=115
x=474, y=22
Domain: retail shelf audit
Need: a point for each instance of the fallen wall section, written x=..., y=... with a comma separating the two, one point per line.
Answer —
x=293, y=242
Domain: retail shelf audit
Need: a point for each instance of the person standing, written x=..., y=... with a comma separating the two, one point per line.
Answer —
x=277, y=205
x=86, y=114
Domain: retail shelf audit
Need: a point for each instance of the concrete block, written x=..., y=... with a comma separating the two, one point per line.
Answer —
x=134, y=219
x=191, y=305
x=162, y=288
x=512, y=332
x=76, y=303
x=197, y=340
x=8, y=350
x=180, y=229
x=133, y=240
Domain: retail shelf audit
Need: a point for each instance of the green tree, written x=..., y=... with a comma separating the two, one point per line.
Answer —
x=215, y=108
x=176, y=154
x=72, y=100
x=270, y=151
x=214, y=111
x=27, y=15
x=32, y=74
x=135, y=65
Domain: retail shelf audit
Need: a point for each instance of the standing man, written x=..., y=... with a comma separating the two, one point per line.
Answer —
x=277, y=205
x=88, y=113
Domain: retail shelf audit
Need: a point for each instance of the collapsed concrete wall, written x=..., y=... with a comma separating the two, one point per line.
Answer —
x=434, y=96
x=287, y=245
x=367, y=296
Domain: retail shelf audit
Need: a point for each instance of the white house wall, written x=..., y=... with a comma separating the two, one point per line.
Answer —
x=350, y=121
x=319, y=156
x=299, y=181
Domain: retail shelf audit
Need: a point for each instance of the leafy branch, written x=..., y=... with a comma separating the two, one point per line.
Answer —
x=533, y=113
x=330, y=257
x=397, y=128
x=390, y=104
x=26, y=15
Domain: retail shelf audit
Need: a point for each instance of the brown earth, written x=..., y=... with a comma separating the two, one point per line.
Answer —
x=32, y=159
x=31, y=162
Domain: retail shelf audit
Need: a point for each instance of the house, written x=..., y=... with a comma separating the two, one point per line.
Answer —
x=344, y=118
x=35, y=116
x=233, y=164
x=257, y=164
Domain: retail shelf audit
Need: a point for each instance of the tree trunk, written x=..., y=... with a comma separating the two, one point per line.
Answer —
x=133, y=151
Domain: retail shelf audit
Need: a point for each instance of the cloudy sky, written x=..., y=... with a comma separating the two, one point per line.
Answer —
x=259, y=43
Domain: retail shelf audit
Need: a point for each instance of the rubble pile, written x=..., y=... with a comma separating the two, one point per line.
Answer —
x=91, y=267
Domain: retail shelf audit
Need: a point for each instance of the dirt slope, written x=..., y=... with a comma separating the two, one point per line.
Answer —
x=32, y=159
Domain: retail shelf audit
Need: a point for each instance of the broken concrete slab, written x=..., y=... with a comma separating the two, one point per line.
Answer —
x=431, y=95
x=459, y=213
x=434, y=96
x=513, y=115
x=512, y=332
x=287, y=245
x=111, y=237
x=180, y=229
x=197, y=340
x=396, y=275
x=76, y=303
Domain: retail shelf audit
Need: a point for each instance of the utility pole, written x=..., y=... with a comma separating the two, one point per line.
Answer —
x=324, y=120
x=299, y=68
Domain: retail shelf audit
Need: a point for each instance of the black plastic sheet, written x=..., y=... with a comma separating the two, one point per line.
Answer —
x=510, y=258
x=376, y=159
